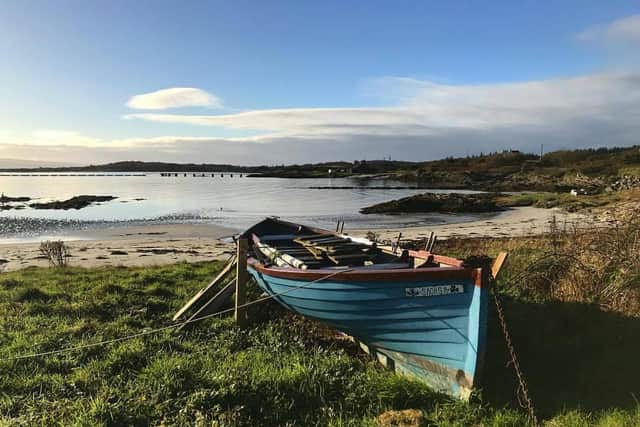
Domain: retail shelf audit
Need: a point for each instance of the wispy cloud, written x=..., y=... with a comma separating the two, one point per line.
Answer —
x=626, y=30
x=427, y=108
x=424, y=119
x=175, y=97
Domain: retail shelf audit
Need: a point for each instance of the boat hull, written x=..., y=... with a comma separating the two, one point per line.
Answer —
x=429, y=324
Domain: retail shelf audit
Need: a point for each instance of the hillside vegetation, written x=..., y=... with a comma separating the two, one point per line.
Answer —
x=591, y=169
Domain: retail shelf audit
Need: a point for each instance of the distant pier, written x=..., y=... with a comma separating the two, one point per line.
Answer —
x=73, y=174
x=202, y=174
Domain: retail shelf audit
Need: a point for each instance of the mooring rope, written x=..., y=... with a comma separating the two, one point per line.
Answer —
x=176, y=325
x=522, y=392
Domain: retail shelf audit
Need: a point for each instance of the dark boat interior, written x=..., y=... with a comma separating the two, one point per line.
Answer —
x=317, y=248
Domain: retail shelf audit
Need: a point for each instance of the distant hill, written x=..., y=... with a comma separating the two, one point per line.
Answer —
x=500, y=171
x=30, y=164
x=133, y=166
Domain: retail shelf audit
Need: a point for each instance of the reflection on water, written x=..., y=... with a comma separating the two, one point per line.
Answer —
x=234, y=202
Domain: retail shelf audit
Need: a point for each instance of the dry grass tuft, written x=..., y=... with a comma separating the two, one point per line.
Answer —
x=592, y=265
x=599, y=266
x=405, y=418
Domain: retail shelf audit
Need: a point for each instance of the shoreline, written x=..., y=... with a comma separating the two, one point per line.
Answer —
x=140, y=245
x=159, y=244
x=514, y=222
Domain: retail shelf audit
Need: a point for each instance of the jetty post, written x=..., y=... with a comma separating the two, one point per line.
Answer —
x=240, y=312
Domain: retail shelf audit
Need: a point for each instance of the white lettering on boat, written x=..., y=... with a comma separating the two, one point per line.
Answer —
x=434, y=291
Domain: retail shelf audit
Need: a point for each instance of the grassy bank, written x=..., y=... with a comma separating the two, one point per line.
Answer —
x=436, y=202
x=284, y=370
x=495, y=202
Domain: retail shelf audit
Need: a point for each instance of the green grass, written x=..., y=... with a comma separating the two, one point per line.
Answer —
x=282, y=370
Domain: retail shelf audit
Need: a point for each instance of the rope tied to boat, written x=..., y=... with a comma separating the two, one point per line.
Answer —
x=174, y=326
x=522, y=393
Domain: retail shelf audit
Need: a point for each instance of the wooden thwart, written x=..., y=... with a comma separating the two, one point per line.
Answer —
x=312, y=236
x=336, y=249
x=204, y=292
x=338, y=259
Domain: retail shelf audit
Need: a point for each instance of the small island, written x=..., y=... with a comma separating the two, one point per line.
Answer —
x=490, y=202
x=77, y=202
x=8, y=199
x=7, y=202
x=435, y=202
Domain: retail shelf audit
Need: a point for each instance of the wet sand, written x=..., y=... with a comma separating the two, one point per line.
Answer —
x=170, y=243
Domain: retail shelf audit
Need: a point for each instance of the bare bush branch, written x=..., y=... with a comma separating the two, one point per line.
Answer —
x=56, y=252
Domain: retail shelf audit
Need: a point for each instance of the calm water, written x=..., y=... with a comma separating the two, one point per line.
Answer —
x=234, y=202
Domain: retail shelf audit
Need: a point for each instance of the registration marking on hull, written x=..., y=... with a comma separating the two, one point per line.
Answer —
x=433, y=291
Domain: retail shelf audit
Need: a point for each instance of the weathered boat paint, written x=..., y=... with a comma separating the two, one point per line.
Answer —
x=405, y=318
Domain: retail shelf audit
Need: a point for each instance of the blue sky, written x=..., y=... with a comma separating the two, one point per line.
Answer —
x=306, y=81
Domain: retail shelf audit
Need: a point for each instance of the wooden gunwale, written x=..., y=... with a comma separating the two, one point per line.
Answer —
x=437, y=258
x=368, y=275
x=455, y=271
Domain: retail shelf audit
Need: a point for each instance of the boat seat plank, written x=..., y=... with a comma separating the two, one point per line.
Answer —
x=289, y=248
x=276, y=237
x=324, y=241
x=311, y=236
x=341, y=248
x=306, y=257
x=356, y=258
x=350, y=256
x=338, y=242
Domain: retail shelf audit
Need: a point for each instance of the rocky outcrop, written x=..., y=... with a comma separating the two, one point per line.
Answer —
x=626, y=182
x=432, y=202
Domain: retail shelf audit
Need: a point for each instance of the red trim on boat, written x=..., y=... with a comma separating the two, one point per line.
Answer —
x=437, y=258
x=478, y=277
x=405, y=274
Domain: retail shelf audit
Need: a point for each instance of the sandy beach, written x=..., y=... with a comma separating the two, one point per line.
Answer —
x=130, y=246
x=170, y=243
x=516, y=222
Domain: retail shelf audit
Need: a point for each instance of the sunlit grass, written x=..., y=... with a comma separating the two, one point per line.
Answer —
x=282, y=370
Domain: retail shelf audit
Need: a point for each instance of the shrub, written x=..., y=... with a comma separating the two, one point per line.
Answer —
x=56, y=252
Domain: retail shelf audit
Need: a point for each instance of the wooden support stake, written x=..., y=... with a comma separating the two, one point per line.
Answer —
x=498, y=263
x=212, y=305
x=206, y=290
x=240, y=313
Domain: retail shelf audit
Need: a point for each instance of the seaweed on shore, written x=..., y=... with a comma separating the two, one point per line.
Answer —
x=77, y=202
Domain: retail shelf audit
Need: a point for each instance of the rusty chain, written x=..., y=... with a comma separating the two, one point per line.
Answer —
x=523, y=392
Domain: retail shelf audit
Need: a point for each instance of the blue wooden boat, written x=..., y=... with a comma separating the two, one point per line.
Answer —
x=418, y=313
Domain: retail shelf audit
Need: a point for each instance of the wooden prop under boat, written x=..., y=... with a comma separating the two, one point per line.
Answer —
x=419, y=314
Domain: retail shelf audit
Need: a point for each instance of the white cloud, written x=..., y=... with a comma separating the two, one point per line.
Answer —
x=428, y=108
x=174, y=97
x=424, y=120
x=621, y=30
